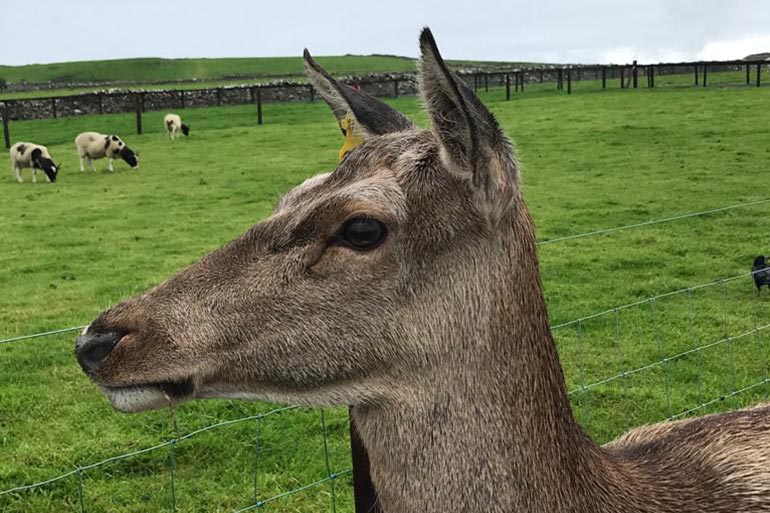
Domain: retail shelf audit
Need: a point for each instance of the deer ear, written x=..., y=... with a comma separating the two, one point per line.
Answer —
x=470, y=137
x=360, y=115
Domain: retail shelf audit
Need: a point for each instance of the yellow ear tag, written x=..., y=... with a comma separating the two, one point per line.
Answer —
x=351, y=138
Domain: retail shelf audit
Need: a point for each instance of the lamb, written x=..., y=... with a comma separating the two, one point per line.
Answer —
x=93, y=145
x=35, y=156
x=173, y=124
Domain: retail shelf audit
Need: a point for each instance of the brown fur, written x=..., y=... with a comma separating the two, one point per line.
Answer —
x=439, y=337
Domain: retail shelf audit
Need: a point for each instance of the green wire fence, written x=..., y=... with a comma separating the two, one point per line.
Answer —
x=703, y=347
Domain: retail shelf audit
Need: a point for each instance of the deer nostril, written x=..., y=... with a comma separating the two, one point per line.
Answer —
x=92, y=349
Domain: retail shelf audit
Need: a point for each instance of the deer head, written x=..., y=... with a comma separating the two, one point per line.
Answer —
x=362, y=279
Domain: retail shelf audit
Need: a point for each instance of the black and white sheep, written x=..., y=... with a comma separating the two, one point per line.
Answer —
x=93, y=145
x=35, y=156
x=173, y=124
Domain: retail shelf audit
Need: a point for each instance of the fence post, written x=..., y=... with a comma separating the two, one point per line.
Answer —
x=635, y=73
x=558, y=79
x=748, y=72
x=604, y=77
x=569, y=80
x=181, y=99
x=53, y=107
x=395, y=89
x=312, y=94
x=259, y=105
x=695, y=71
x=522, y=80
x=363, y=489
x=138, y=100
x=507, y=86
x=705, y=73
x=541, y=76
x=759, y=72
x=652, y=77
x=516, y=82
x=6, y=122
x=622, y=77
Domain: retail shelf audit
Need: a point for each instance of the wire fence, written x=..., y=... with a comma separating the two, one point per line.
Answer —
x=703, y=346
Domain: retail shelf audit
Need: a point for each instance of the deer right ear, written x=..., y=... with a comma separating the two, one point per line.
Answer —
x=360, y=115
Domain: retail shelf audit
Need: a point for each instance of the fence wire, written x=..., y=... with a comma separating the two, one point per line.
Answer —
x=664, y=330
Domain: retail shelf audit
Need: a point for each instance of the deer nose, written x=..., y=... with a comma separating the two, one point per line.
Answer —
x=92, y=348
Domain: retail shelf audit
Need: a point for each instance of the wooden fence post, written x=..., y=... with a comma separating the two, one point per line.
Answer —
x=604, y=77
x=748, y=72
x=363, y=490
x=522, y=80
x=622, y=77
x=558, y=79
x=652, y=77
x=507, y=86
x=759, y=72
x=516, y=82
x=6, y=123
x=259, y=105
x=569, y=80
x=138, y=106
x=634, y=74
x=181, y=99
x=705, y=73
x=695, y=71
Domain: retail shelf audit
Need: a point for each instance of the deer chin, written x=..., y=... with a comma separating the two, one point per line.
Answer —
x=152, y=396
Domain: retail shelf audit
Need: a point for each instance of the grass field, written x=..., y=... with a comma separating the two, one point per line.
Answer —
x=591, y=160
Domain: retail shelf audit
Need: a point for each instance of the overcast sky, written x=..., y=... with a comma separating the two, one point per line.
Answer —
x=587, y=31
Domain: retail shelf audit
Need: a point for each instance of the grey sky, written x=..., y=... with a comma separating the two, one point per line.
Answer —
x=532, y=30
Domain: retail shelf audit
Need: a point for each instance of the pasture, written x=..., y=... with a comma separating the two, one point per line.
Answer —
x=592, y=160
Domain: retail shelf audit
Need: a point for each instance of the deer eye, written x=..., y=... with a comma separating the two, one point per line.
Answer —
x=362, y=233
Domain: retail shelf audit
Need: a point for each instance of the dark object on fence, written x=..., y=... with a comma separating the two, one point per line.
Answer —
x=705, y=73
x=516, y=82
x=569, y=80
x=507, y=86
x=748, y=74
x=139, y=101
x=363, y=489
x=652, y=76
x=759, y=72
x=622, y=78
x=6, y=129
x=219, y=96
x=181, y=99
x=760, y=271
x=635, y=73
x=604, y=78
x=259, y=105
x=695, y=70
x=521, y=79
x=559, y=80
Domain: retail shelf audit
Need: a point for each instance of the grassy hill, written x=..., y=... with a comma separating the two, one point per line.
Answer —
x=164, y=70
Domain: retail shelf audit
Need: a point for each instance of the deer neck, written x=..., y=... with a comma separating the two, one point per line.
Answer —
x=493, y=433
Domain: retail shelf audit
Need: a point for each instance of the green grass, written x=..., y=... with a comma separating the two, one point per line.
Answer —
x=591, y=160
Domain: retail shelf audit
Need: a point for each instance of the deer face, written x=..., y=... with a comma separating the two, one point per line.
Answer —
x=361, y=279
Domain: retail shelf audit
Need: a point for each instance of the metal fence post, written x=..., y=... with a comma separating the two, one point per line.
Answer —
x=363, y=488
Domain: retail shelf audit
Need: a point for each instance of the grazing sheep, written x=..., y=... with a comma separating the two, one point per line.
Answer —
x=173, y=124
x=24, y=154
x=761, y=273
x=93, y=145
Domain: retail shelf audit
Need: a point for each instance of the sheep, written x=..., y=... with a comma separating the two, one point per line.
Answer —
x=93, y=145
x=173, y=124
x=35, y=156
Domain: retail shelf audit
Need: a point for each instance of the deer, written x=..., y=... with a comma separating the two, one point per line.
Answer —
x=406, y=284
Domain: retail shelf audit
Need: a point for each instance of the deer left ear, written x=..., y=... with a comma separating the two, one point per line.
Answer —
x=360, y=115
x=471, y=140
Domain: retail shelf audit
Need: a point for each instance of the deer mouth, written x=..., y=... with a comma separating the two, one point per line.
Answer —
x=149, y=396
